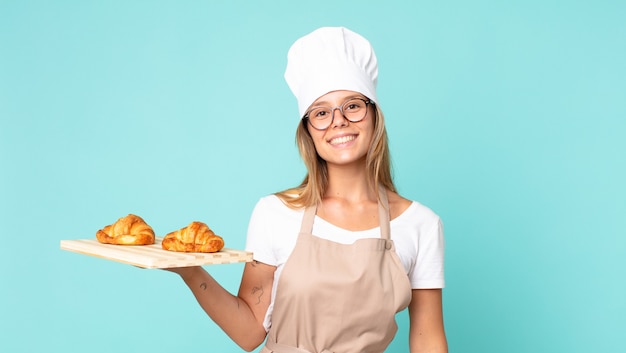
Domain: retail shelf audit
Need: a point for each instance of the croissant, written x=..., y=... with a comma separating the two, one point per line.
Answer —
x=129, y=230
x=196, y=237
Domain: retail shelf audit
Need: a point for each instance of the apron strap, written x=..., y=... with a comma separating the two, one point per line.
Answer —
x=383, y=213
x=307, y=221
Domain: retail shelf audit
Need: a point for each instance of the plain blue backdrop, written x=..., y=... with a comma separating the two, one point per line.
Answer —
x=507, y=118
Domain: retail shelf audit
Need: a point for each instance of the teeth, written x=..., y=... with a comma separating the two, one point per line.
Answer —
x=342, y=139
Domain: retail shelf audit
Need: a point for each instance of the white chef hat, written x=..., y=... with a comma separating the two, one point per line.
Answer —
x=330, y=59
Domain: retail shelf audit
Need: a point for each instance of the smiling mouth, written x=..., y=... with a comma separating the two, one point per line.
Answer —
x=342, y=139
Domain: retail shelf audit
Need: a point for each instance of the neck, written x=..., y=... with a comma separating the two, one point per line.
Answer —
x=349, y=182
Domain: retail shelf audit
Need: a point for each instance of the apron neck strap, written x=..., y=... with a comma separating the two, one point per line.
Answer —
x=307, y=221
x=383, y=215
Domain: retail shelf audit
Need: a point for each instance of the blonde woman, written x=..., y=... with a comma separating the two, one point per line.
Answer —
x=336, y=257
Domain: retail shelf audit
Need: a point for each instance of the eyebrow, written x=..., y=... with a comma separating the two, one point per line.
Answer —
x=356, y=95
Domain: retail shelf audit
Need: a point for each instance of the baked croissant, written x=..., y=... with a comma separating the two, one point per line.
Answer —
x=196, y=237
x=129, y=230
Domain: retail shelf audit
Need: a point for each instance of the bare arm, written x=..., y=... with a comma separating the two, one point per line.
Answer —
x=241, y=316
x=427, y=334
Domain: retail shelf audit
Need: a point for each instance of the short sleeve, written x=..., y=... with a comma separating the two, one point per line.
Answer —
x=259, y=238
x=429, y=268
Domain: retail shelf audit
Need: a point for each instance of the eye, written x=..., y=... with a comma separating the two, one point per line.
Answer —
x=355, y=104
x=319, y=113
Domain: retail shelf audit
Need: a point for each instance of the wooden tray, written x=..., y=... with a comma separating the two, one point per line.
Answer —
x=153, y=256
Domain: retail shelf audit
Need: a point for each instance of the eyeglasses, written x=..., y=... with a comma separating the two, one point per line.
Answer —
x=354, y=109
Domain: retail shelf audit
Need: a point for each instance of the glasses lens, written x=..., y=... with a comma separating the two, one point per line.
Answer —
x=354, y=110
x=320, y=117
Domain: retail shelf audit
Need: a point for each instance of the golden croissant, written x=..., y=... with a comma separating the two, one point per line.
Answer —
x=129, y=230
x=196, y=237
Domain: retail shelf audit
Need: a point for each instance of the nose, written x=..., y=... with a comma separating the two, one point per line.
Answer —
x=341, y=121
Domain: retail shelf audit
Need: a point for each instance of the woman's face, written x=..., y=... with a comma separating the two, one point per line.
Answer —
x=343, y=142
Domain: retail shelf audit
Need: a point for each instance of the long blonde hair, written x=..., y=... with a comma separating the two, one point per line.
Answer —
x=312, y=188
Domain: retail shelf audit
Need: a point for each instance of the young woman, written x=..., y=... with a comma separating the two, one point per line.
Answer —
x=336, y=257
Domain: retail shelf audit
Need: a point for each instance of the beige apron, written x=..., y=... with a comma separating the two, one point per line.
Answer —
x=339, y=298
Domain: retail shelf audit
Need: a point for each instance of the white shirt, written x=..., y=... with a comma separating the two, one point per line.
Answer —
x=417, y=234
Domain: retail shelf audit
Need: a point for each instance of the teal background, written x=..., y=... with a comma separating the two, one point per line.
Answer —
x=508, y=118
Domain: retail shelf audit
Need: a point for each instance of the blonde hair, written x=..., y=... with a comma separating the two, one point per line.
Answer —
x=311, y=191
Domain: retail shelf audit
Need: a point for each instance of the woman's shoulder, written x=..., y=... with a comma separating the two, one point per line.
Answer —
x=407, y=210
x=273, y=206
x=397, y=204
